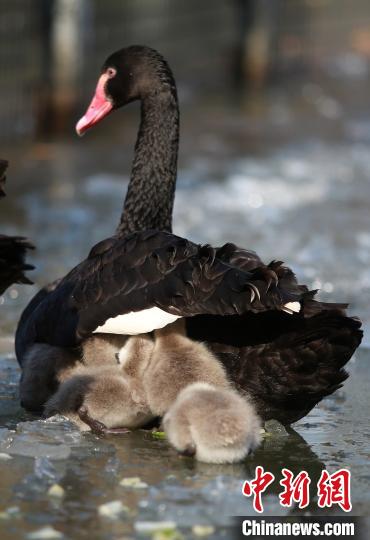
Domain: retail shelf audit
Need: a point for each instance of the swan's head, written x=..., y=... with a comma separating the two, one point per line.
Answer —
x=128, y=74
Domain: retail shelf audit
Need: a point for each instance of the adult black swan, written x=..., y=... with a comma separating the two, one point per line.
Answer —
x=278, y=344
x=12, y=250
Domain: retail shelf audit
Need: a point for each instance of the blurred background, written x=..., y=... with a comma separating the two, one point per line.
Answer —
x=274, y=156
x=275, y=131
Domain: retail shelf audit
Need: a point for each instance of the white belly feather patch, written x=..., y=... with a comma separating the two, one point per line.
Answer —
x=147, y=320
x=137, y=322
x=292, y=307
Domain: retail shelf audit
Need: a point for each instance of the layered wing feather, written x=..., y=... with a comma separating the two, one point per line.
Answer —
x=159, y=269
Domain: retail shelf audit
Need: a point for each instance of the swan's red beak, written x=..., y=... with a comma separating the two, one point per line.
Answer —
x=99, y=107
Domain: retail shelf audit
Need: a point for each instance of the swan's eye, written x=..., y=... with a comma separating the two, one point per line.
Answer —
x=111, y=72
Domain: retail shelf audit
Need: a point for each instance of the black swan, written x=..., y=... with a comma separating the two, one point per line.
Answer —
x=12, y=250
x=244, y=310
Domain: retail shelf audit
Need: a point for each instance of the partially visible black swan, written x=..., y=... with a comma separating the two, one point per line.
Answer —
x=12, y=250
x=277, y=343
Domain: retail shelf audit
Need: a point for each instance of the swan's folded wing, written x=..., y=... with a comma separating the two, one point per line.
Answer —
x=163, y=271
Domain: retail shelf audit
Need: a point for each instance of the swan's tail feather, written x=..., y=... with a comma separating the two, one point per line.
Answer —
x=311, y=307
x=12, y=261
x=288, y=376
x=12, y=249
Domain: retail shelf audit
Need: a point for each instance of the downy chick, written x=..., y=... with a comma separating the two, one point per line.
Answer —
x=45, y=366
x=215, y=425
x=184, y=382
x=176, y=362
x=102, y=349
x=103, y=398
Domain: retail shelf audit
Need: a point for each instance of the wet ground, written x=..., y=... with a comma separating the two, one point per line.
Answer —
x=287, y=175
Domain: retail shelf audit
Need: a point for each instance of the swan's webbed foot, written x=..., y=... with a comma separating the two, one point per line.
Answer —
x=98, y=427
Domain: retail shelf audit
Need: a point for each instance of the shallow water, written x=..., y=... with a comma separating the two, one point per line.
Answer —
x=89, y=469
x=288, y=177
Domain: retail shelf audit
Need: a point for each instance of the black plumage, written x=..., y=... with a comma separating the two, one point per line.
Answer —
x=287, y=362
x=13, y=250
x=144, y=270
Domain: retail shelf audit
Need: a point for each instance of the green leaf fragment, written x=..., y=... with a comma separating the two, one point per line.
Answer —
x=158, y=434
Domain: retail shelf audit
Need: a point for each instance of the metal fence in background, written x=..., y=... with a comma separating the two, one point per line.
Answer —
x=19, y=66
x=48, y=48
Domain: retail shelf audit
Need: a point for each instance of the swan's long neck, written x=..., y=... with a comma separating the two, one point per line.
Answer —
x=151, y=191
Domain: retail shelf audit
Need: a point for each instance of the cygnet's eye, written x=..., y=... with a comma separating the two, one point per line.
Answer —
x=111, y=72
